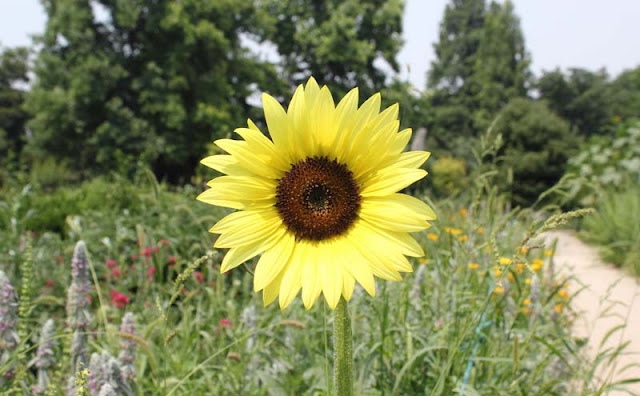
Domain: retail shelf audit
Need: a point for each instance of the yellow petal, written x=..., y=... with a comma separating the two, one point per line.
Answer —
x=397, y=212
x=292, y=278
x=239, y=255
x=377, y=257
x=244, y=233
x=225, y=164
x=270, y=292
x=253, y=159
x=348, y=284
x=273, y=261
x=311, y=285
x=390, y=180
x=277, y=122
x=331, y=277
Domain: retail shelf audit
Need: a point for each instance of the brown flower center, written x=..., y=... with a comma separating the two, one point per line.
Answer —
x=318, y=199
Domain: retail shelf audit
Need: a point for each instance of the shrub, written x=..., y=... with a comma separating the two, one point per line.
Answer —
x=537, y=144
x=616, y=227
x=448, y=175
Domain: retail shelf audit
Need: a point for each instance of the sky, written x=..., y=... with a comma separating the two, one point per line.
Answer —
x=589, y=34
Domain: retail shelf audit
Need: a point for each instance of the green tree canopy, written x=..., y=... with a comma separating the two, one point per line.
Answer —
x=582, y=97
x=14, y=67
x=339, y=42
x=537, y=144
x=481, y=64
x=157, y=81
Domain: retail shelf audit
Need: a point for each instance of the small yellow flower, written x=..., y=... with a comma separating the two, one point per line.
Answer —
x=497, y=271
x=528, y=281
x=526, y=311
x=474, y=266
x=423, y=260
x=523, y=250
x=536, y=265
x=463, y=211
x=548, y=253
x=511, y=277
x=463, y=238
x=563, y=294
x=480, y=230
x=505, y=261
x=520, y=267
x=558, y=308
x=526, y=301
x=498, y=290
x=432, y=237
x=453, y=231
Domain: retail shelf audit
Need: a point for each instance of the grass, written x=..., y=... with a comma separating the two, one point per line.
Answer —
x=616, y=227
x=464, y=323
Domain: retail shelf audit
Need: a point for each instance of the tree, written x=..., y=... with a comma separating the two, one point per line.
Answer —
x=120, y=81
x=481, y=64
x=14, y=67
x=625, y=90
x=582, y=97
x=451, y=72
x=339, y=42
x=501, y=68
x=537, y=144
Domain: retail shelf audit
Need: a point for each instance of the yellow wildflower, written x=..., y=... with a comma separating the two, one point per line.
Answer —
x=528, y=281
x=558, y=308
x=498, y=290
x=505, y=261
x=463, y=211
x=536, y=265
x=453, y=231
x=526, y=311
x=523, y=250
x=548, y=253
x=526, y=301
x=463, y=238
x=480, y=230
x=474, y=266
x=563, y=294
x=511, y=277
x=432, y=237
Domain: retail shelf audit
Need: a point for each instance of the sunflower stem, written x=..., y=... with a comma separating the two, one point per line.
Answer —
x=343, y=351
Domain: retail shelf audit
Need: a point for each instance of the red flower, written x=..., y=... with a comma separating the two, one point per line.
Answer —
x=164, y=242
x=172, y=259
x=199, y=276
x=154, y=249
x=116, y=272
x=146, y=252
x=110, y=263
x=119, y=300
x=150, y=272
x=133, y=257
x=48, y=283
x=225, y=322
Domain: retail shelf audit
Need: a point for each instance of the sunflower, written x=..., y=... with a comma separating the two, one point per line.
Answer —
x=319, y=200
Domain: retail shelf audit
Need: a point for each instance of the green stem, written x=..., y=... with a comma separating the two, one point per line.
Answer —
x=343, y=351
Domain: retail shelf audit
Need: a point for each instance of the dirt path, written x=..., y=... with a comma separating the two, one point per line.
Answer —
x=599, y=281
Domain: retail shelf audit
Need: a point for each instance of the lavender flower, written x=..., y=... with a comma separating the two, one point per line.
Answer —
x=105, y=369
x=44, y=359
x=9, y=338
x=78, y=315
x=128, y=346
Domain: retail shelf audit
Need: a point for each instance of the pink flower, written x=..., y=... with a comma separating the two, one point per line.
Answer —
x=154, y=249
x=146, y=252
x=133, y=257
x=150, y=272
x=199, y=276
x=116, y=272
x=119, y=300
x=164, y=242
x=48, y=283
x=225, y=322
x=110, y=263
x=172, y=259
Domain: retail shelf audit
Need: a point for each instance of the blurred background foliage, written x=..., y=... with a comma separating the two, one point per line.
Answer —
x=112, y=86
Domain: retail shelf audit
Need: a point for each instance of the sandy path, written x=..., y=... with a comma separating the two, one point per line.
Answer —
x=599, y=280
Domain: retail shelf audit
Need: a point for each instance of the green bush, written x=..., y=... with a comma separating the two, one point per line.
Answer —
x=616, y=227
x=537, y=144
x=448, y=175
x=606, y=163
